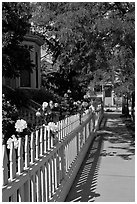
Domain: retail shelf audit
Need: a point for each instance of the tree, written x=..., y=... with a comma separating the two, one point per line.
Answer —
x=91, y=36
x=15, y=25
x=119, y=25
x=73, y=29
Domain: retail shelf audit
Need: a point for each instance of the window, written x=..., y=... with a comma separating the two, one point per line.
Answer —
x=25, y=80
x=98, y=88
x=108, y=90
x=37, y=76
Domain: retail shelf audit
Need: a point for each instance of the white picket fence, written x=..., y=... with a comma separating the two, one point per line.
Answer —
x=40, y=170
x=31, y=118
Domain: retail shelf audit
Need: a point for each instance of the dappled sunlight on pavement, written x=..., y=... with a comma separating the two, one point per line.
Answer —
x=107, y=173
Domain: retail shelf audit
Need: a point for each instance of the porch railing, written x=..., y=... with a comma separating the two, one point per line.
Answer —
x=42, y=169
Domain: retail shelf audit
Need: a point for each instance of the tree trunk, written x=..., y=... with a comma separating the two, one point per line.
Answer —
x=125, y=107
x=133, y=106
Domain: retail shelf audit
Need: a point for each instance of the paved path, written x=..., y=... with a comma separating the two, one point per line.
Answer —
x=107, y=173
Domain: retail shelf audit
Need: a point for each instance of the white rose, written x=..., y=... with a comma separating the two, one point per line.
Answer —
x=20, y=125
x=53, y=127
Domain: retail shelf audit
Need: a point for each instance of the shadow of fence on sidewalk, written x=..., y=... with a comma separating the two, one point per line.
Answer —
x=113, y=130
x=84, y=186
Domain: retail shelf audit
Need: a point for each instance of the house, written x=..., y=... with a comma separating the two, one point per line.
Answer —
x=107, y=94
x=104, y=92
x=29, y=80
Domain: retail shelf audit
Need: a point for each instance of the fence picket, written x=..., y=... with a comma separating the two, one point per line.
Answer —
x=61, y=132
x=32, y=148
x=21, y=194
x=43, y=187
x=37, y=144
x=47, y=181
x=38, y=186
x=5, y=166
x=49, y=138
x=47, y=167
x=12, y=162
x=33, y=188
x=27, y=191
x=20, y=156
x=14, y=197
x=41, y=141
x=66, y=156
x=53, y=173
x=62, y=154
x=58, y=170
x=26, y=151
x=59, y=128
x=50, y=183
x=45, y=139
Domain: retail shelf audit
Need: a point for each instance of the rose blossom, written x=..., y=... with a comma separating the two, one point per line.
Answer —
x=20, y=125
x=53, y=127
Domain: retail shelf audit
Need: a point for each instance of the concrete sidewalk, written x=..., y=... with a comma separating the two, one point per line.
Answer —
x=107, y=173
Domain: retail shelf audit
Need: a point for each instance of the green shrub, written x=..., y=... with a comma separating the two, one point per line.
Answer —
x=17, y=96
x=9, y=116
x=42, y=95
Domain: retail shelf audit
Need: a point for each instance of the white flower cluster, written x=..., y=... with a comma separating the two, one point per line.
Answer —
x=92, y=108
x=20, y=125
x=46, y=109
x=87, y=111
x=38, y=113
x=44, y=105
x=12, y=139
x=85, y=104
x=56, y=105
x=53, y=127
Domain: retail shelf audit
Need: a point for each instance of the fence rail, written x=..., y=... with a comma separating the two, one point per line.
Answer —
x=38, y=170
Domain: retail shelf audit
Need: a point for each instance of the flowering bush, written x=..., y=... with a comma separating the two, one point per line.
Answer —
x=48, y=112
x=20, y=126
x=9, y=116
x=11, y=124
x=67, y=106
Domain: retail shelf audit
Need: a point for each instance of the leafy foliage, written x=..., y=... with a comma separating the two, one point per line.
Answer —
x=90, y=37
x=118, y=28
x=9, y=116
x=15, y=25
x=18, y=97
x=73, y=27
